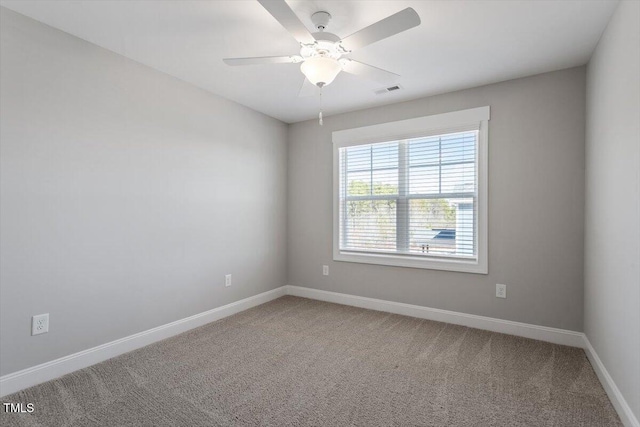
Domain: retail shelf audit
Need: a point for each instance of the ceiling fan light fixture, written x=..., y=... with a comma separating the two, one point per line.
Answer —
x=320, y=70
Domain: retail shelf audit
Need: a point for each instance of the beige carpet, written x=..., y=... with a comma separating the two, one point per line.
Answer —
x=295, y=361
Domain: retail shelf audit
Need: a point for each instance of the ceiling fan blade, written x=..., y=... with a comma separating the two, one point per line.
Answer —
x=256, y=60
x=280, y=10
x=308, y=89
x=368, y=71
x=389, y=26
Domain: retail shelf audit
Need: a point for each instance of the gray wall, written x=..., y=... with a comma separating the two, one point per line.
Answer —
x=126, y=195
x=536, y=202
x=612, y=231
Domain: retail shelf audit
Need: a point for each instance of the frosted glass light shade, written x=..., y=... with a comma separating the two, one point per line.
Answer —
x=320, y=70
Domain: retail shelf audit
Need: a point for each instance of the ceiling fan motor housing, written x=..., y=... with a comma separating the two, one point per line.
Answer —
x=321, y=63
x=326, y=44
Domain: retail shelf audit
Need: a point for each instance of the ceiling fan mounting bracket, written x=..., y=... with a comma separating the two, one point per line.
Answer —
x=321, y=19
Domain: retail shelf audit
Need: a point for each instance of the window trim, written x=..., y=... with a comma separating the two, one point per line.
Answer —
x=414, y=128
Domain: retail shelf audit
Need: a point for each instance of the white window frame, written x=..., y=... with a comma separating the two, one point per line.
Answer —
x=415, y=128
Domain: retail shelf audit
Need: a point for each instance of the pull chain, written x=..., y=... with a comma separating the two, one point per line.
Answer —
x=320, y=115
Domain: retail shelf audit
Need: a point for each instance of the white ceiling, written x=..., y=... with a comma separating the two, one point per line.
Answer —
x=459, y=44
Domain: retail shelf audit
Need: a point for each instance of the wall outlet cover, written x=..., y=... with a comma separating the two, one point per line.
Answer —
x=325, y=270
x=40, y=324
x=227, y=280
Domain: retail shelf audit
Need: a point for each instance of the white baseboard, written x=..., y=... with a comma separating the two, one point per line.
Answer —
x=16, y=381
x=542, y=333
x=622, y=407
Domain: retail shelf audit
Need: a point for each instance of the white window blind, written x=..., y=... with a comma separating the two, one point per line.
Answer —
x=413, y=197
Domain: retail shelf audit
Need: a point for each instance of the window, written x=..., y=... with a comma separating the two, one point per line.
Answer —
x=413, y=193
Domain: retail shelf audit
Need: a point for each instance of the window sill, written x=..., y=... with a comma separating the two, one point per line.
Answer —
x=413, y=262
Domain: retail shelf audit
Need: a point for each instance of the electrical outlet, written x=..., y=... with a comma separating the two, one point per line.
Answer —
x=40, y=324
x=227, y=280
x=325, y=270
x=501, y=291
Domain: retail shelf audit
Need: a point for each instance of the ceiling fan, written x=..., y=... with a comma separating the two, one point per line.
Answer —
x=322, y=54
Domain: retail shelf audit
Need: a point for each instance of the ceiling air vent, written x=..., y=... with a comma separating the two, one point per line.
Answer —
x=387, y=90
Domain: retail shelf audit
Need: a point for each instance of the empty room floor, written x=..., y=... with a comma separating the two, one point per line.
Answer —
x=296, y=361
